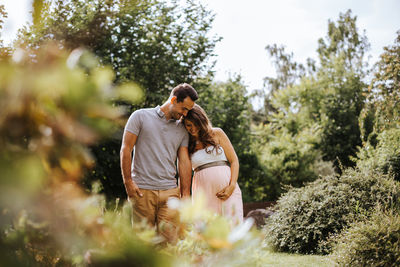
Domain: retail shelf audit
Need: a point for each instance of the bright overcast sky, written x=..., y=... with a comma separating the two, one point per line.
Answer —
x=248, y=26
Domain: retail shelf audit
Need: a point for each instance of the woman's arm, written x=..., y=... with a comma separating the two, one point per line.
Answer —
x=230, y=154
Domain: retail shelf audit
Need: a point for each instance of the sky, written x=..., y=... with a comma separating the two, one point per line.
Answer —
x=247, y=27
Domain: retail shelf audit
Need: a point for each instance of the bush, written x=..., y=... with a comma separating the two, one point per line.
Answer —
x=307, y=216
x=375, y=242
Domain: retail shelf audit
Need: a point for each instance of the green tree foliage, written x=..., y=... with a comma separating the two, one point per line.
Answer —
x=385, y=155
x=379, y=119
x=288, y=73
x=313, y=121
x=4, y=51
x=341, y=75
x=3, y=15
x=383, y=109
x=343, y=42
x=341, y=108
x=229, y=108
x=287, y=159
x=156, y=43
x=286, y=144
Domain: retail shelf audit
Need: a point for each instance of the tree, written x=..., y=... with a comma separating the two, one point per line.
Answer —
x=156, y=43
x=315, y=109
x=345, y=43
x=379, y=120
x=3, y=15
x=288, y=73
x=384, y=91
x=341, y=76
x=4, y=51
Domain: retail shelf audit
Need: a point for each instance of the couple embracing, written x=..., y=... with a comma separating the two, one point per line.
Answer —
x=179, y=129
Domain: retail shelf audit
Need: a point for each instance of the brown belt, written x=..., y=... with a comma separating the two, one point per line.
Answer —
x=212, y=164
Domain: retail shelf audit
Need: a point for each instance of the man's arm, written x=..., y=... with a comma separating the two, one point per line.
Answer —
x=128, y=142
x=185, y=171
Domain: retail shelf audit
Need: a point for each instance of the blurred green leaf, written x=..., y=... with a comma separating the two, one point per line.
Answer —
x=37, y=11
x=130, y=92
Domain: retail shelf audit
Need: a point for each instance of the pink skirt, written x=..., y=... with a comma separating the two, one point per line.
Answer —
x=210, y=181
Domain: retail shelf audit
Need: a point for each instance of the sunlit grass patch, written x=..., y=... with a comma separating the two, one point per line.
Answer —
x=286, y=259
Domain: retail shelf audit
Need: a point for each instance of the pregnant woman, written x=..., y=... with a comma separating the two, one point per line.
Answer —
x=215, y=164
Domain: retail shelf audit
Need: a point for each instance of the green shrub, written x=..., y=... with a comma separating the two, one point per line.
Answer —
x=374, y=242
x=307, y=216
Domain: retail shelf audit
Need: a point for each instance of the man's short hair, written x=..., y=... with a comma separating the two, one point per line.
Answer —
x=184, y=90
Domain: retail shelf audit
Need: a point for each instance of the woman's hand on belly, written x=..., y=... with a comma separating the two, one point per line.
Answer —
x=225, y=193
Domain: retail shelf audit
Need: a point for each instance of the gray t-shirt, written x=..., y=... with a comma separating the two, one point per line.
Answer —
x=156, y=148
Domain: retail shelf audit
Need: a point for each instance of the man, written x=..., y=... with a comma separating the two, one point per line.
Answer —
x=159, y=139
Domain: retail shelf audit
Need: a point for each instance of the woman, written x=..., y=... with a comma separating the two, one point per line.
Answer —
x=215, y=164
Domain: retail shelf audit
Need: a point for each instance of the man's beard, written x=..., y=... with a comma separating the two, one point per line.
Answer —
x=176, y=116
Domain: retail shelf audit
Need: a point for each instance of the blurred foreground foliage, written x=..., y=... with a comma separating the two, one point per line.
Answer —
x=54, y=105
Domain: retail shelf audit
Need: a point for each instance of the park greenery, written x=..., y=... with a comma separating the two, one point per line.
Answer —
x=325, y=144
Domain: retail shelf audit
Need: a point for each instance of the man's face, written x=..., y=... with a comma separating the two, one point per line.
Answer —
x=180, y=109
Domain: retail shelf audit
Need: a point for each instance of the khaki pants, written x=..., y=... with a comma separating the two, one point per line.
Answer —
x=153, y=208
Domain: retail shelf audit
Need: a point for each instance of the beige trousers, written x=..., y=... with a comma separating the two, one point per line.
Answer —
x=153, y=208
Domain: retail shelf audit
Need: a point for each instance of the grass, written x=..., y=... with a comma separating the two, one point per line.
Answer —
x=286, y=259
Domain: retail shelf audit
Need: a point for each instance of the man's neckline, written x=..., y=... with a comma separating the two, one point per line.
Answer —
x=161, y=114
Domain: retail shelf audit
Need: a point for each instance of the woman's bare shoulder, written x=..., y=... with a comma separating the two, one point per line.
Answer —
x=218, y=132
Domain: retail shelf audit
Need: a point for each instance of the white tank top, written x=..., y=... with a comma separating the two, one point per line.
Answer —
x=201, y=157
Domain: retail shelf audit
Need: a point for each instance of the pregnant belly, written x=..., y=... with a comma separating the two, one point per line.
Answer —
x=213, y=178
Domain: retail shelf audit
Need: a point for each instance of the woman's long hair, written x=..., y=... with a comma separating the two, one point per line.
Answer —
x=199, y=118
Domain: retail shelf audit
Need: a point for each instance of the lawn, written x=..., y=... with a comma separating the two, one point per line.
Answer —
x=285, y=259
